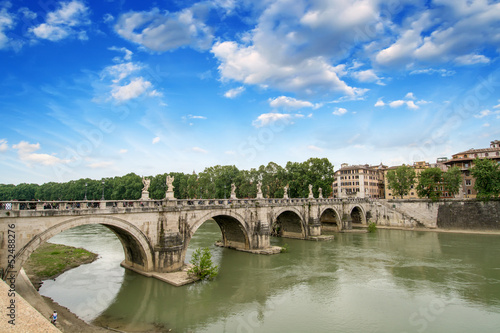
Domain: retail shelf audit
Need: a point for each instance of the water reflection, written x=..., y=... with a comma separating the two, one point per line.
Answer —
x=391, y=281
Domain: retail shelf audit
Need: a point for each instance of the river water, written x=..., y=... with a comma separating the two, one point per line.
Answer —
x=389, y=281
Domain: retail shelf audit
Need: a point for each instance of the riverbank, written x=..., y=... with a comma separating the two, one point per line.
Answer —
x=455, y=231
x=51, y=260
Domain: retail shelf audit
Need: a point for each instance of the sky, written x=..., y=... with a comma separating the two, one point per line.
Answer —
x=102, y=88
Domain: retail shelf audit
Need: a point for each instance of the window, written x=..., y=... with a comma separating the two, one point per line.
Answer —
x=466, y=165
x=485, y=154
x=467, y=182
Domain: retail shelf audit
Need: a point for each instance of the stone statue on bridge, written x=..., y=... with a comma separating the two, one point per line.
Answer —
x=259, y=190
x=311, y=195
x=145, y=193
x=170, y=188
x=320, y=191
x=285, y=193
x=233, y=191
x=145, y=182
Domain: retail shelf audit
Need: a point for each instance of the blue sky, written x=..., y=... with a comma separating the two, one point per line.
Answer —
x=103, y=88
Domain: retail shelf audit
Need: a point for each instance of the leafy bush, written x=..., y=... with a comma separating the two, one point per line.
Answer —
x=284, y=248
x=372, y=227
x=203, y=267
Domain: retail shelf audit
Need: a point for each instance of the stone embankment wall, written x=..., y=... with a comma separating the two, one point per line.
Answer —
x=449, y=214
x=471, y=215
x=405, y=213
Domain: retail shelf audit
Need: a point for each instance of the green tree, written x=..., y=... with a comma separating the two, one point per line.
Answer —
x=487, y=174
x=401, y=180
x=203, y=267
x=452, y=179
x=429, y=183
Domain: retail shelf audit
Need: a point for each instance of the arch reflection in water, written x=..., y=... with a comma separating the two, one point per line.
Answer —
x=85, y=290
x=357, y=283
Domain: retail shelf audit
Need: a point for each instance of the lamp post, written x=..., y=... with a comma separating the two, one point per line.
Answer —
x=102, y=190
x=85, y=192
x=224, y=191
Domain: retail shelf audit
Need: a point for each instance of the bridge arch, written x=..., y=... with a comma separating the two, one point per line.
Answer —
x=289, y=223
x=358, y=215
x=330, y=219
x=137, y=248
x=233, y=227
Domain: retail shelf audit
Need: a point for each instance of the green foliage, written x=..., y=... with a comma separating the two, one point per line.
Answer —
x=487, y=174
x=213, y=183
x=372, y=227
x=452, y=179
x=203, y=267
x=284, y=248
x=401, y=180
x=429, y=183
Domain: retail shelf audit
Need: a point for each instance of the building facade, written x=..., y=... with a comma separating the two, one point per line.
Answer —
x=465, y=161
x=359, y=181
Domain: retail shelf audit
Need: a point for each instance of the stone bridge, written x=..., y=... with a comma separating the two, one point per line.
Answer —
x=155, y=234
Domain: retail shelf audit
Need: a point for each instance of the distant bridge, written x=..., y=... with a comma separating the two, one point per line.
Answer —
x=155, y=234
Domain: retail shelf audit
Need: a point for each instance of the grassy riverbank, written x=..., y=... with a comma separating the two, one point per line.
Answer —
x=51, y=260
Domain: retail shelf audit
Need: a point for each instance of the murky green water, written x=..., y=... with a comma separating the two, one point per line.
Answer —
x=391, y=281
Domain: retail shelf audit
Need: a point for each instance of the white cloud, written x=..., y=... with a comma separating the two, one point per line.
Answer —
x=486, y=113
x=163, y=31
x=410, y=96
x=7, y=22
x=339, y=111
x=127, y=53
x=107, y=18
x=411, y=105
x=121, y=71
x=190, y=116
x=248, y=65
x=123, y=151
x=269, y=118
x=100, y=165
x=291, y=103
x=156, y=140
x=232, y=93
x=397, y=103
x=497, y=106
x=230, y=152
x=26, y=153
x=471, y=59
x=443, y=72
x=134, y=89
x=3, y=145
x=63, y=22
x=314, y=148
x=199, y=150
x=450, y=31
x=379, y=103
x=367, y=76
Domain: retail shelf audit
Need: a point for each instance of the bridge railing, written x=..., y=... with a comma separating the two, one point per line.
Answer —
x=120, y=204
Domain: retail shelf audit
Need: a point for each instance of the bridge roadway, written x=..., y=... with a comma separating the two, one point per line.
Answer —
x=155, y=234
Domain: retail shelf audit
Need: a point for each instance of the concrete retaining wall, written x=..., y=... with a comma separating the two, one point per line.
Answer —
x=469, y=215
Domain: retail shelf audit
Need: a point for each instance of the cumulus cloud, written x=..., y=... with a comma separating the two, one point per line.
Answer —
x=339, y=111
x=26, y=153
x=266, y=119
x=134, y=89
x=367, y=76
x=3, y=145
x=233, y=93
x=409, y=100
x=66, y=21
x=450, y=31
x=443, y=72
x=8, y=22
x=291, y=103
x=163, y=31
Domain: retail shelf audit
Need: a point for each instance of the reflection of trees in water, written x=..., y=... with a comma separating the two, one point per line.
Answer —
x=245, y=281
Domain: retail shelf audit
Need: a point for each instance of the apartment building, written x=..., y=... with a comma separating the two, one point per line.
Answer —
x=465, y=161
x=359, y=181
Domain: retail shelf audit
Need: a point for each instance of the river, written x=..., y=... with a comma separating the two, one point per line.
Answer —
x=389, y=281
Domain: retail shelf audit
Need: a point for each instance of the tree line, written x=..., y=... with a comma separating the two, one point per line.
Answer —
x=213, y=182
x=432, y=183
